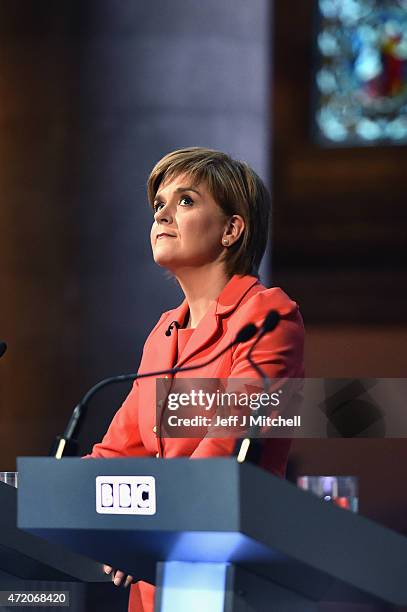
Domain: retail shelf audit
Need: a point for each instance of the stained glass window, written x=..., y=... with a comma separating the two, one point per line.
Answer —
x=361, y=79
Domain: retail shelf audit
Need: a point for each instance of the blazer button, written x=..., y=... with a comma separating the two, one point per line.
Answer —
x=157, y=455
x=155, y=429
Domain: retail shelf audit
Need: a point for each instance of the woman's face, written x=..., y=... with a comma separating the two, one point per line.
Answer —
x=188, y=225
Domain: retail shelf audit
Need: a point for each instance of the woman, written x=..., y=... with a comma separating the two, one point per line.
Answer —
x=211, y=219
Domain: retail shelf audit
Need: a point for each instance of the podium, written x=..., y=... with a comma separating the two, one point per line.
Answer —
x=27, y=557
x=212, y=534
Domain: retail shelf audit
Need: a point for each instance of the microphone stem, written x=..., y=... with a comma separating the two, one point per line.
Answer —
x=79, y=410
x=257, y=368
x=247, y=442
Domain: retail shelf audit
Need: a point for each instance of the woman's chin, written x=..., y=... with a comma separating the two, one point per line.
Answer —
x=164, y=262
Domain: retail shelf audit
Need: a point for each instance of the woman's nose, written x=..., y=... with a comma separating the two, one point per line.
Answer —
x=163, y=215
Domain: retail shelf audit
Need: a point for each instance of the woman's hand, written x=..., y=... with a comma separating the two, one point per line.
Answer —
x=117, y=576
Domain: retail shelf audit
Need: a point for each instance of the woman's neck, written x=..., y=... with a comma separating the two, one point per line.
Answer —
x=201, y=288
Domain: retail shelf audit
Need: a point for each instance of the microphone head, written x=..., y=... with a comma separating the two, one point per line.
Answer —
x=247, y=332
x=3, y=348
x=271, y=321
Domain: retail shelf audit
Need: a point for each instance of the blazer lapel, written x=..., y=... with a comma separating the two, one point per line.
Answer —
x=211, y=324
x=165, y=348
x=206, y=329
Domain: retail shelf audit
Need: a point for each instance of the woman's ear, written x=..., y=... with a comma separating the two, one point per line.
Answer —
x=233, y=230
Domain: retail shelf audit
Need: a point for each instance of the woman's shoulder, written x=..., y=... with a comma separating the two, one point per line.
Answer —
x=257, y=304
x=262, y=299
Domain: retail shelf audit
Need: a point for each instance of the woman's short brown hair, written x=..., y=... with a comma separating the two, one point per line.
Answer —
x=237, y=190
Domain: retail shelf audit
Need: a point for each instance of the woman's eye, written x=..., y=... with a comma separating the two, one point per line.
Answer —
x=186, y=201
x=157, y=206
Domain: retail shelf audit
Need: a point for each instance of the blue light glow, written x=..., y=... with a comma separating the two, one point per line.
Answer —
x=193, y=586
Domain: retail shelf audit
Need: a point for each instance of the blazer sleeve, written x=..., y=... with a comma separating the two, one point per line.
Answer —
x=122, y=439
x=279, y=354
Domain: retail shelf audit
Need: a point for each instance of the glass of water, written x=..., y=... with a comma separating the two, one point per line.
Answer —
x=10, y=478
x=339, y=490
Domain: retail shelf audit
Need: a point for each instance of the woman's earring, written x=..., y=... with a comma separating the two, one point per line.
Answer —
x=225, y=242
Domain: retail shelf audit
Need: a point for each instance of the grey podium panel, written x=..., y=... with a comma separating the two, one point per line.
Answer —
x=25, y=556
x=220, y=511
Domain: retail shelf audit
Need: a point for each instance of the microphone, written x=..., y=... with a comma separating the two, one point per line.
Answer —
x=270, y=322
x=250, y=448
x=246, y=333
x=3, y=348
x=171, y=327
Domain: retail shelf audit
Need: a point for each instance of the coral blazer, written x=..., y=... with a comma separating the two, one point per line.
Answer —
x=280, y=354
x=244, y=299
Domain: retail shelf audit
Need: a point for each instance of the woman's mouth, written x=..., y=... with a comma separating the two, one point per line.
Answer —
x=165, y=236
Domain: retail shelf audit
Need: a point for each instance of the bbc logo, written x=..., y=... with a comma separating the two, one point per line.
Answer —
x=125, y=495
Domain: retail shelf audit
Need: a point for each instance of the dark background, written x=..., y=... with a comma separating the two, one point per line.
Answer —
x=92, y=94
